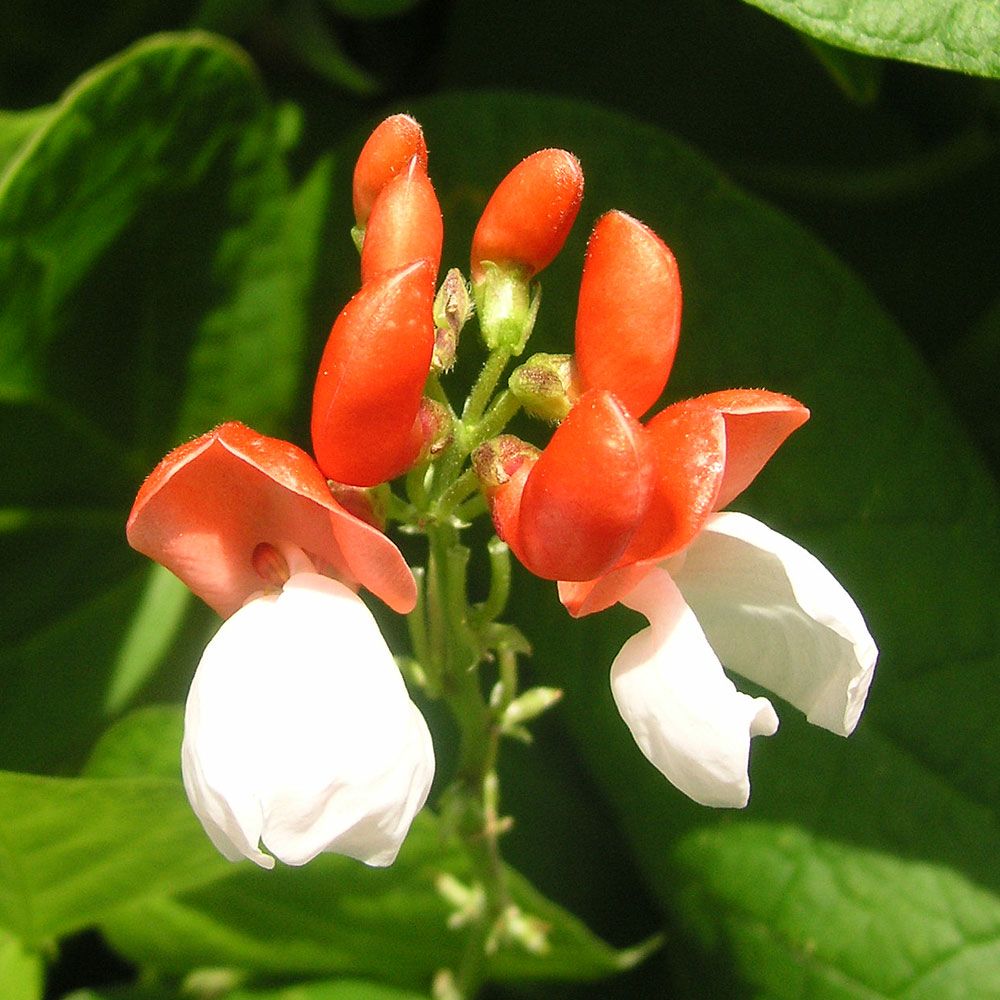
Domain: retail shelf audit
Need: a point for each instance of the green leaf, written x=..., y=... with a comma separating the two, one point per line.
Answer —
x=16, y=127
x=144, y=744
x=71, y=849
x=155, y=272
x=961, y=35
x=22, y=972
x=812, y=917
x=969, y=371
x=331, y=916
x=335, y=916
x=882, y=485
x=343, y=989
x=311, y=40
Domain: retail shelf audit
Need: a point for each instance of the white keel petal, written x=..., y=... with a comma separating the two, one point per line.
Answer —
x=686, y=716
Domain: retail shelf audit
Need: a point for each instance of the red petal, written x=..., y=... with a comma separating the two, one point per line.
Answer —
x=757, y=422
x=386, y=153
x=688, y=448
x=209, y=503
x=590, y=596
x=405, y=225
x=527, y=219
x=371, y=379
x=586, y=494
x=629, y=314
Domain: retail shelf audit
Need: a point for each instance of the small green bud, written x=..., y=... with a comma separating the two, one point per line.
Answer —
x=468, y=902
x=545, y=385
x=514, y=926
x=528, y=706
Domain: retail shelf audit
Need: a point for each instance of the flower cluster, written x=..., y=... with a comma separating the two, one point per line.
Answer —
x=620, y=511
x=300, y=736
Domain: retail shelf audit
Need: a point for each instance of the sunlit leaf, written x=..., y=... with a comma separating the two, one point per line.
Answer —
x=333, y=915
x=962, y=35
x=21, y=971
x=71, y=849
x=811, y=917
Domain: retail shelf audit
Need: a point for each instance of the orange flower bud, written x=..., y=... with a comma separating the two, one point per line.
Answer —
x=371, y=379
x=629, y=314
x=405, y=225
x=386, y=153
x=527, y=219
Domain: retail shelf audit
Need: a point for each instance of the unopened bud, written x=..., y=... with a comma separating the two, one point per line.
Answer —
x=532, y=933
x=453, y=304
x=529, y=215
x=404, y=226
x=387, y=153
x=529, y=705
x=452, y=309
x=517, y=927
x=467, y=901
x=436, y=428
x=545, y=385
x=496, y=460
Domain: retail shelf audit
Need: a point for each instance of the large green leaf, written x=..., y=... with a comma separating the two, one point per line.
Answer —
x=810, y=917
x=961, y=35
x=21, y=970
x=154, y=270
x=332, y=916
x=342, y=989
x=969, y=370
x=71, y=849
x=16, y=127
x=881, y=485
x=352, y=989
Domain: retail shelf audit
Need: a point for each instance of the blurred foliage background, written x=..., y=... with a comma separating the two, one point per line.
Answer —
x=174, y=217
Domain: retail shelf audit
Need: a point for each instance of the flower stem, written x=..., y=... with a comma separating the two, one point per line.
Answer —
x=481, y=392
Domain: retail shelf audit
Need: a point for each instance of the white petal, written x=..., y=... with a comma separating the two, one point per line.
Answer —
x=299, y=731
x=776, y=615
x=685, y=714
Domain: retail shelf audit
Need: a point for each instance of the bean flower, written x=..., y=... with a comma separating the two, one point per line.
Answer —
x=620, y=511
x=299, y=733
